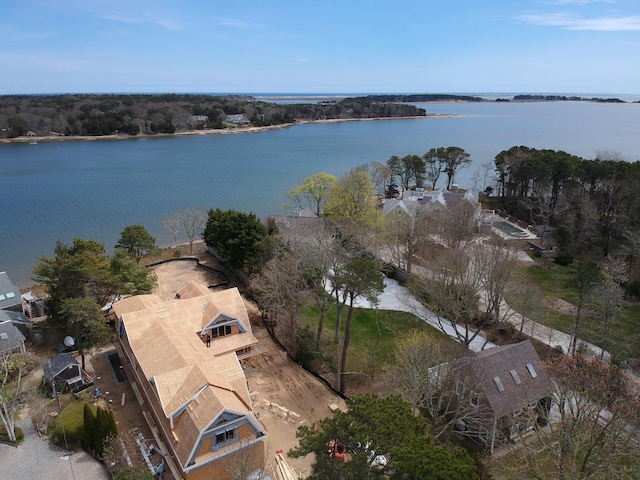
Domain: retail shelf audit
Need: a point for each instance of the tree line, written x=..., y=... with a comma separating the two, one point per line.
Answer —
x=593, y=204
x=168, y=113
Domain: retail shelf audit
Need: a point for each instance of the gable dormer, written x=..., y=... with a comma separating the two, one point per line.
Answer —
x=222, y=325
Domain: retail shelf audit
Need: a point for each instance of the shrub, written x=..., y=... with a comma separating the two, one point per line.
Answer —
x=17, y=361
x=563, y=257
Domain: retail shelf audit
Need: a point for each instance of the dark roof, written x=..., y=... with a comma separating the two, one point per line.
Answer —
x=9, y=293
x=16, y=318
x=10, y=337
x=505, y=391
x=57, y=364
x=300, y=219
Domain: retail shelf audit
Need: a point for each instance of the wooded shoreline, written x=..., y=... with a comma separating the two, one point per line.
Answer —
x=212, y=131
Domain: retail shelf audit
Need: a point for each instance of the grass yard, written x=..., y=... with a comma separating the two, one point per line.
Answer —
x=373, y=336
x=72, y=419
x=557, y=281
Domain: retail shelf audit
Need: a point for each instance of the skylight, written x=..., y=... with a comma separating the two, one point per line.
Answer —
x=515, y=377
x=498, y=383
x=532, y=370
x=3, y=336
x=11, y=295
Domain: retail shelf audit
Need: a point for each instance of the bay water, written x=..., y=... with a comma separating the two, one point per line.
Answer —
x=93, y=189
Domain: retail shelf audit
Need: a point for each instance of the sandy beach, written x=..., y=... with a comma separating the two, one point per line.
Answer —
x=226, y=131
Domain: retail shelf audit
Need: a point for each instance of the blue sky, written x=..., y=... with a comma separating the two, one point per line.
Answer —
x=308, y=46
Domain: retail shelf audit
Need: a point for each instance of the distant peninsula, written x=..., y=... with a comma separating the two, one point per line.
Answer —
x=92, y=115
x=563, y=98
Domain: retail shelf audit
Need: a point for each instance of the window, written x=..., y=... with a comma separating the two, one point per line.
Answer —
x=221, y=331
x=532, y=370
x=515, y=376
x=224, y=437
x=474, y=401
x=498, y=383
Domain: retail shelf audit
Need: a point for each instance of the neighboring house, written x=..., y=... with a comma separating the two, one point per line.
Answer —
x=509, y=384
x=433, y=200
x=26, y=326
x=65, y=374
x=198, y=119
x=305, y=219
x=237, y=119
x=11, y=339
x=185, y=355
x=9, y=294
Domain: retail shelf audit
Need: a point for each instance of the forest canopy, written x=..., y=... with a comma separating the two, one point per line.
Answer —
x=88, y=114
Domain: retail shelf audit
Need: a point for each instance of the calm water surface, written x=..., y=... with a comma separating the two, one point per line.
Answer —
x=93, y=189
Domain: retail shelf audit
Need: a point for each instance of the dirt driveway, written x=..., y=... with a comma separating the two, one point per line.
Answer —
x=284, y=395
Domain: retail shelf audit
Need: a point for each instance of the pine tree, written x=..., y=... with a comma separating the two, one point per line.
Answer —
x=100, y=430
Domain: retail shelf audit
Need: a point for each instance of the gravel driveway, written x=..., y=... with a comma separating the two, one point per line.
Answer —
x=38, y=459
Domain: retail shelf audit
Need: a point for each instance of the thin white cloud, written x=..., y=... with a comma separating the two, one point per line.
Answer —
x=142, y=19
x=575, y=2
x=576, y=22
x=237, y=23
x=18, y=35
x=302, y=60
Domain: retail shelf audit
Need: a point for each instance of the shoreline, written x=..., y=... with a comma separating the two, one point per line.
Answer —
x=226, y=131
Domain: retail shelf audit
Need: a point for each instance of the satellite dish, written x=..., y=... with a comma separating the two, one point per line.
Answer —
x=69, y=341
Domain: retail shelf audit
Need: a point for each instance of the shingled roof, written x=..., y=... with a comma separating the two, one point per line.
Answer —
x=193, y=382
x=511, y=377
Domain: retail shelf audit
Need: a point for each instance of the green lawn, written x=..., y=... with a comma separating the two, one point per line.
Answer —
x=373, y=335
x=557, y=281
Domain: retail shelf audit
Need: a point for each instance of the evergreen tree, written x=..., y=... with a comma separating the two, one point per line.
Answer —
x=89, y=427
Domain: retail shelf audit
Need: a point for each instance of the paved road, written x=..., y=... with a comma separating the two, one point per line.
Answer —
x=38, y=459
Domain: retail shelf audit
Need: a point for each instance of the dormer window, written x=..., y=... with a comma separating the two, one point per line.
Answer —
x=220, y=331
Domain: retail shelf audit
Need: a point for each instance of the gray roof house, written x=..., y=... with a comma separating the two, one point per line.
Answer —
x=65, y=373
x=9, y=294
x=11, y=339
x=512, y=387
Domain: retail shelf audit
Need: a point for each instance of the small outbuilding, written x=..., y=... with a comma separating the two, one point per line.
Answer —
x=65, y=374
x=11, y=339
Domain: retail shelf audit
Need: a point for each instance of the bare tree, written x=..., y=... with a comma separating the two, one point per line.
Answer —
x=172, y=225
x=250, y=462
x=13, y=391
x=451, y=293
x=405, y=235
x=543, y=209
x=457, y=225
x=281, y=289
x=192, y=221
x=494, y=265
x=320, y=253
x=607, y=298
x=412, y=373
x=379, y=173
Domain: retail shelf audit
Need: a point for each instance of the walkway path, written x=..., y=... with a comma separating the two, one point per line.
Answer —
x=398, y=298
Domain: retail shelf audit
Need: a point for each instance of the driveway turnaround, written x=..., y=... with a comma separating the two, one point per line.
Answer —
x=38, y=459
